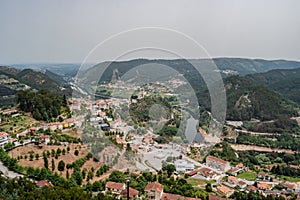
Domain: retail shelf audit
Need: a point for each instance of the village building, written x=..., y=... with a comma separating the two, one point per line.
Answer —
x=133, y=193
x=44, y=183
x=217, y=163
x=232, y=180
x=242, y=184
x=183, y=166
x=168, y=196
x=114, y=187
x=225, y=190
x=154, y=191
x=4, y=138
x=263, y=186
x=207, y=173
x=251, y=188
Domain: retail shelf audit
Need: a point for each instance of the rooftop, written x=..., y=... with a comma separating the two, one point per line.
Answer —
x=217, y=159
x=114, y=185
x=44, y=183
x=223, y=189
x=2, y=134
x=132, y=192
x=154, y=186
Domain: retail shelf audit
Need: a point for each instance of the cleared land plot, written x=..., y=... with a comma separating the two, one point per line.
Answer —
x=250, y=176
x=68, y=158
x=242, y=147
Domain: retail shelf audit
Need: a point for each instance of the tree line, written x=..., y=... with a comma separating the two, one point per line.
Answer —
x=43, y=105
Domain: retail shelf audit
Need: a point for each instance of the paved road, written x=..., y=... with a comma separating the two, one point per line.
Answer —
x=8, y=173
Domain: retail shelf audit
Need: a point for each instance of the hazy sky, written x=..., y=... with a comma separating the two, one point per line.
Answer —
x=66, y=30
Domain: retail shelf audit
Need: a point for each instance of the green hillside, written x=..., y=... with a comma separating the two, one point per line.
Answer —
x=38, y=80
x=246, y=100
x=284, y=81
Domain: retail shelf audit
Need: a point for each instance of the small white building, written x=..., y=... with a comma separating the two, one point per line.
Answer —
x=183, y=166
x=4, y=139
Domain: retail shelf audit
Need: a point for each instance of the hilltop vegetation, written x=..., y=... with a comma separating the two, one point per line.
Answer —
x=246, y=100
x=284, y=81
x=38, y=80
x=43, y=105
x=141, y=110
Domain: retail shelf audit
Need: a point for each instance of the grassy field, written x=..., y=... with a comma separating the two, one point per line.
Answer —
x=199, y=182
x=18, y=124
x=250, y=176
x=290, y=179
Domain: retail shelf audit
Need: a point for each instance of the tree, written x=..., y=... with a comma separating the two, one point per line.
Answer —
x=52, y=152
x=53, y=164
x=90, y=175
x=208, y=187
x=170, y=168
x=77, y=176
x=37, y=156
x=76, y=152
x=31, y=156
x=116, y=176
x=46, y=164
x=61, y=165
x=58, y=151
x=83, y=173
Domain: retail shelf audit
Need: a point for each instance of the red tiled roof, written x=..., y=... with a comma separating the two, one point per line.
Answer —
x=2, y=134
x=223, y=189
x=44, y=183
x=206, y=172
x=252, y=188
x=289, y=185
x=192, y=173
x=114, y=185
x=242, y=183
x=132, y=192
x=154, y=186
x=240, y=165
x=44, y=136
x=215, y=198
x=217, y=159
x=263, y=185
x=168, y=196
x=232, y=179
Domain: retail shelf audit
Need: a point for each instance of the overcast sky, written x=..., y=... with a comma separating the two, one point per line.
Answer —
x=35, y=31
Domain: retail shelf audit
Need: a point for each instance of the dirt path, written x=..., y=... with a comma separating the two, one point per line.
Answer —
x=242, y=147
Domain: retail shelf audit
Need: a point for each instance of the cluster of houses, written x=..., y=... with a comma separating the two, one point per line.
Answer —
x=263, y=183
x=4, y=139
x=153, y=191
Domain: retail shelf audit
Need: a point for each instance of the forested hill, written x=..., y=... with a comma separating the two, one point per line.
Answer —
x=227, y=66
x=246, y=100
x=284, y=81
x=37, y=80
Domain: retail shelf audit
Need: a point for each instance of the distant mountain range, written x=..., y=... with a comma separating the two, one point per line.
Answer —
x=255, y=88
x=34, y=79
x=250, y=91
x=284, y=81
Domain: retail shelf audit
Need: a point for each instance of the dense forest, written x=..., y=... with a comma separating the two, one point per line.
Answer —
x=149, y=107
x=283, y=141
x=284, y=81
x=43, y=105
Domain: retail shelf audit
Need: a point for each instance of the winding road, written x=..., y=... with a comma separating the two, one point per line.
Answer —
x=8, y=173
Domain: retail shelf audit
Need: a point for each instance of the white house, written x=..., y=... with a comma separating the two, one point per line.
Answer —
x=4, y=139
x=183, y=166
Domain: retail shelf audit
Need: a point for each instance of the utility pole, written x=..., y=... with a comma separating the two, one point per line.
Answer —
x=128, y=181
